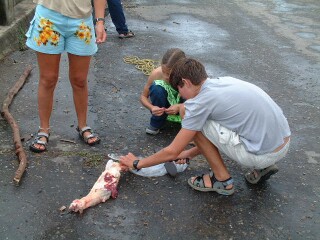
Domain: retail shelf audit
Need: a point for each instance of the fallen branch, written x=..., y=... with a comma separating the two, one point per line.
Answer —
x=15, y=128
x=67, y=141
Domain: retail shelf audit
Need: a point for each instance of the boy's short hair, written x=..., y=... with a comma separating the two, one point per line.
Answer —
x=171, y=56
x=187, y=68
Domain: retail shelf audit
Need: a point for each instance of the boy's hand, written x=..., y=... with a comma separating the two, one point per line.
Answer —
x=157, y=111
x=127, y=160
x=182, y=160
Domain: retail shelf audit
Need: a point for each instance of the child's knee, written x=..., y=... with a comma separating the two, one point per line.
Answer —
x=157, y=90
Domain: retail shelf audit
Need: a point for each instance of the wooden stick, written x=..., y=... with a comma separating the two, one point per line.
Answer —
x=67, y=140
x=15, y=128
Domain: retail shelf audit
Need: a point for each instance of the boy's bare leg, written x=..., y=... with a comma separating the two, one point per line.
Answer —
x=212, y=154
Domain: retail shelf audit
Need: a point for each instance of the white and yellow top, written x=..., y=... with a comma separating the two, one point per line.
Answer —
x=69, y=8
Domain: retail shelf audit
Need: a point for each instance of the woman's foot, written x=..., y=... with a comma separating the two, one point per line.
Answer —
x=208, y=183
x=40, y=141
x=87, y=135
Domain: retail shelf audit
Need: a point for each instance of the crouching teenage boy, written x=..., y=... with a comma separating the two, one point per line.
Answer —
x=228, y=115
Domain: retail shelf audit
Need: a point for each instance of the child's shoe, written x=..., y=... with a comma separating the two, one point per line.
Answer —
x=152, y=130
x=260, y=175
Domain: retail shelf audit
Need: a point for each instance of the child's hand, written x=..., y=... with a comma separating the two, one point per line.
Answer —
x=182, y=160
x=127, y=160
x=172, y=110
x=157, y=111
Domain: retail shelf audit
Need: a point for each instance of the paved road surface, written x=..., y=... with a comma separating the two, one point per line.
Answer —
x=272, y=43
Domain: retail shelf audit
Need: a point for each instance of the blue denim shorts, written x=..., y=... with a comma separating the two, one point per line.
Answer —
x=53, y=33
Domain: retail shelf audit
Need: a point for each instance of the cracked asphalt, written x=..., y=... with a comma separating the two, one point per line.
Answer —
x=274, y=44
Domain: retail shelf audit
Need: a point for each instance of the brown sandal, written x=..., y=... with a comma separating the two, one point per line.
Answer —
x=129, y=34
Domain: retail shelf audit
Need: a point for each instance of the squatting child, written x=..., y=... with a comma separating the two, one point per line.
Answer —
x=159, y=97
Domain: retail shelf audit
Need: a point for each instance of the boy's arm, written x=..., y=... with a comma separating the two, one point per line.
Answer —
x=166, y=154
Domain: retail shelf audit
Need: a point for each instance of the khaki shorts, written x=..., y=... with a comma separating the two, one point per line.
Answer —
x=229, y=143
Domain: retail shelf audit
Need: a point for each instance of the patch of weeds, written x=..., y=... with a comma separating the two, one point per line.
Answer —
x=94, y=161
x=21, y=39
x=90, y=159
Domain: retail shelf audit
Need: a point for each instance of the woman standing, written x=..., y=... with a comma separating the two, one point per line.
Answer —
x=60, y=26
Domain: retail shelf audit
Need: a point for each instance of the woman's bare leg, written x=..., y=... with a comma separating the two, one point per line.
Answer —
x=49, y=72
x=78, y=73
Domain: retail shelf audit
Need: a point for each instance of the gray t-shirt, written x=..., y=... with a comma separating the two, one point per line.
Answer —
x=241, y=107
